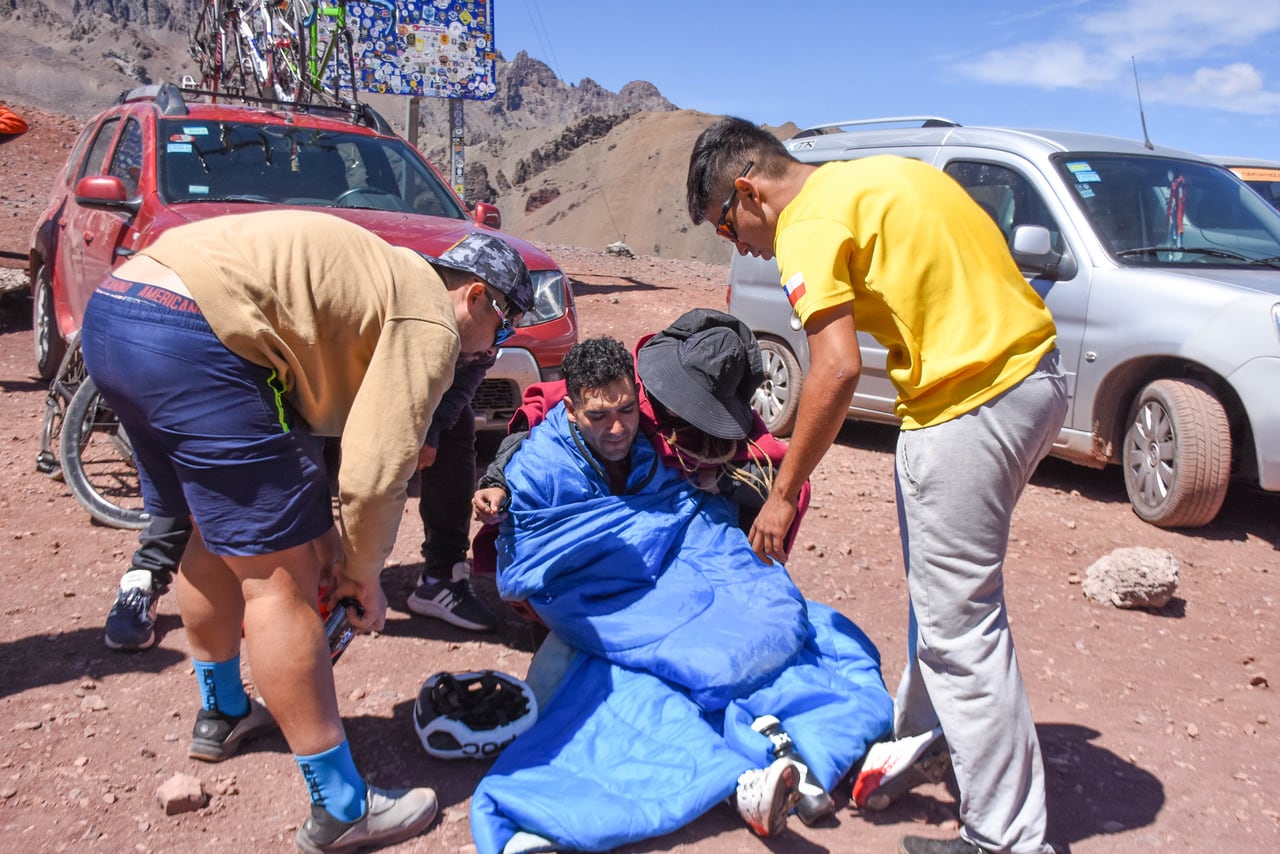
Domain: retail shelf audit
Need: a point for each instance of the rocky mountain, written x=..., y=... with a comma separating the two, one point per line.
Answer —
x=566, y=163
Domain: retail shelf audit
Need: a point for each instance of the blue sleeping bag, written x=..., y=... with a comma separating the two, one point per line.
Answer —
x=683, y=636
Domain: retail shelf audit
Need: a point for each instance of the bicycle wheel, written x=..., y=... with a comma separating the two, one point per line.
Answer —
x=62, y=387
x=206, y=46
x=286, y=49
x=249, y=66
x=97, y=461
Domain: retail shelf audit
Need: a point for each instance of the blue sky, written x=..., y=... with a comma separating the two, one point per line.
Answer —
x=1209, y=70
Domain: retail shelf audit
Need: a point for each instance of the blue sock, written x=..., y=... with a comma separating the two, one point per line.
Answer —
x=334, y=782
x=220, y=687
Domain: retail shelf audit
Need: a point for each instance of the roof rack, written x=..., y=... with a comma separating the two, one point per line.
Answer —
x=170, y=101
x=168, y=98
x=925, y=122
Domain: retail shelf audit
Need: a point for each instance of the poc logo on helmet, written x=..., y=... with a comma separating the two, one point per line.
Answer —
x=472, y=715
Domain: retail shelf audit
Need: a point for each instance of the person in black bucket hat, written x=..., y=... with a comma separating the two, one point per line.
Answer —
x=705, y=366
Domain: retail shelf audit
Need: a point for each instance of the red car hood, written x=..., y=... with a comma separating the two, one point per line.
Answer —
x=429, y=234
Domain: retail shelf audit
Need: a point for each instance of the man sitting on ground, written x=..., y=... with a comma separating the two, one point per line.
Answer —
x=681, y=643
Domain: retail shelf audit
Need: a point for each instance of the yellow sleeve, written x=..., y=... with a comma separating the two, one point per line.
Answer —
x=815, y=258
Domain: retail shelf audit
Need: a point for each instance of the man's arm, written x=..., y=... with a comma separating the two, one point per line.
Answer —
x=466, y=379
x=490, y=499
x=835, y=364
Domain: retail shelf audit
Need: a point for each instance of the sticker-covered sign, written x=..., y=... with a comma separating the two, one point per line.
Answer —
x=431, y=48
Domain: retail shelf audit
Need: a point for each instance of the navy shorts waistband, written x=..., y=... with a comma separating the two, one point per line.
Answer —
x=118, y=287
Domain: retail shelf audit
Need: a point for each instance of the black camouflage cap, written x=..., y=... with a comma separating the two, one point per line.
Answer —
x=493, y=260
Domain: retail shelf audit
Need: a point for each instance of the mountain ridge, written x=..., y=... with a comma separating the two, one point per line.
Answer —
x=569, y=163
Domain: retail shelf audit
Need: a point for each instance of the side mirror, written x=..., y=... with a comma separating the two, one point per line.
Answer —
x=1033, y=251
x=487, y=214
x=105, y=192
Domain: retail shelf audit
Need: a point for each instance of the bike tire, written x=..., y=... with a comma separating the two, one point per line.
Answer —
x=97, y=461
x=287, y=49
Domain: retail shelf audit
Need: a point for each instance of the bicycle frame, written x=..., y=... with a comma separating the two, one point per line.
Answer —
x=316, y=62
x=260, y=35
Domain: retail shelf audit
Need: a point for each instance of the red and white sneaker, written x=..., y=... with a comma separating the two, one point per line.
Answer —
x=892, y=768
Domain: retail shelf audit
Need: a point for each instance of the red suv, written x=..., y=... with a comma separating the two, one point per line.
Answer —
x=155, y=160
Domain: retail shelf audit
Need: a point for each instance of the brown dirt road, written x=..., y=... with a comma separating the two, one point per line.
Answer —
x=1159, y=729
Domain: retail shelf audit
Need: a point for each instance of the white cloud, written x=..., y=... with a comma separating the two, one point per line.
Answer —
x=1236, y=88
x=1046, y=65
x=1166, y=37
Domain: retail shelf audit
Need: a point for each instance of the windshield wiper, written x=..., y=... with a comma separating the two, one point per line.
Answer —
x=1197, y=250
x=1273, y=261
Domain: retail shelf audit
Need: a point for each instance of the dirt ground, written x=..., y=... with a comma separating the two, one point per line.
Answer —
x=1159, y=729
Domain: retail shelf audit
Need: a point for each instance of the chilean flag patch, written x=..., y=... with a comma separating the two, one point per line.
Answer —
x=794, y=288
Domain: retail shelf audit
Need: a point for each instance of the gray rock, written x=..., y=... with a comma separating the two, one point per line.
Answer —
x=1133, y=578
x=620, y=249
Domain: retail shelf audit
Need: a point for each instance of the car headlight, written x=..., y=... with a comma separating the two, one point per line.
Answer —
x=549, y=300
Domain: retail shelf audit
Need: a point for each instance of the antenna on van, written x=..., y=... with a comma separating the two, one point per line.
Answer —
x=1146, y=140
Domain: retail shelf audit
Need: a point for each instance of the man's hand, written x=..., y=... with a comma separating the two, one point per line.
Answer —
x=490, y=505
x=426, y=457
x=769, y=530
x=370, y=595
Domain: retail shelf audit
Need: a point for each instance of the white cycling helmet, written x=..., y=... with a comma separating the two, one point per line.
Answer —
x=472, y=715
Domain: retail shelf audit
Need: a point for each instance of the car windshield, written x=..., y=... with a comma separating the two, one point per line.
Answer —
x=1155, y=211
x=216, y=161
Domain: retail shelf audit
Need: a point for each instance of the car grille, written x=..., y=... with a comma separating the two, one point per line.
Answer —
x=496, y=400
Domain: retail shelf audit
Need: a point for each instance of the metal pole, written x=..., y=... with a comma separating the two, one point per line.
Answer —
x=411, y=120
x=457, y=160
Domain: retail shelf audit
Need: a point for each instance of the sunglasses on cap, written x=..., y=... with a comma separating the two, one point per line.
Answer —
x=506, y=326
x=723, y=227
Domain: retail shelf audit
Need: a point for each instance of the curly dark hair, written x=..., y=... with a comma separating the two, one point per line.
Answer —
x=596, y=363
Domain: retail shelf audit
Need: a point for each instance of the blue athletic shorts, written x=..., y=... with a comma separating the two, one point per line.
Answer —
x=213, y=434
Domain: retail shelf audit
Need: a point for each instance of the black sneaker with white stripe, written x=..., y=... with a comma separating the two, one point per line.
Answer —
x=452, y=601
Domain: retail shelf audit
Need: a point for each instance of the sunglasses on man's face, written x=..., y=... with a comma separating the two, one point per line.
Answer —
x=506, y=326
x=723, y=227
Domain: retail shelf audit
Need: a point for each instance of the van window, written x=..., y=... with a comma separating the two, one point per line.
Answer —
x=1006, y=195
x=1155, y=211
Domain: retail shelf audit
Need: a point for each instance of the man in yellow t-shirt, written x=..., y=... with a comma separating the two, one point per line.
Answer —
x=230, y=349
x=894, y=247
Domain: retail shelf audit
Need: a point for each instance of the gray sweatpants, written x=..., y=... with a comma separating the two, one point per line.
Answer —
x=957, y=484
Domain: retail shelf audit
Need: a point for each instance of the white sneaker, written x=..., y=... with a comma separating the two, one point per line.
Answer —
x=892, y=768
x=765, y=796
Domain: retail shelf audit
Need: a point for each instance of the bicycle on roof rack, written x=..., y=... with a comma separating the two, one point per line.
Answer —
x=327, y=54
x=93, y=455
x=250, y=47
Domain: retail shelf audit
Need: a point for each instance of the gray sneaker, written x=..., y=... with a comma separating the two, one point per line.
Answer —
x=393, y=815
x=452, y=601
x=217, y=736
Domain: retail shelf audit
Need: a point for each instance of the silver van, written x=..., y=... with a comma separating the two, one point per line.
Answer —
x=1161, y=269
